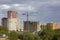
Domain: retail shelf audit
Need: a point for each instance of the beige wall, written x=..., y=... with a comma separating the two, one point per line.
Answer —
x=13, y=21
x=54, y=25
x=13, y=24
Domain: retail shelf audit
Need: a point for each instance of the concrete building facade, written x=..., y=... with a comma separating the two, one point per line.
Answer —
x=31, y=26
x=4, y=22
x=54, y=25
x=13, y=21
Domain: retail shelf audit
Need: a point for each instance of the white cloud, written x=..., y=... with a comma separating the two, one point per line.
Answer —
x=21, y=7
x=25, y=8
x=4, y=7
x=30, y=8
x=17, y=5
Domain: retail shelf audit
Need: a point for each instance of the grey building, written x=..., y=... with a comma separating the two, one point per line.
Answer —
x=31, y=26
x=4, y=22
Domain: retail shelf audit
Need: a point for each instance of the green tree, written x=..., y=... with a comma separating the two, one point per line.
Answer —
x=26, y=36
x=3, y=30
x=13, y=35
x=47, y=33
x=21, y=36
x=56, y=34
x=37, y=38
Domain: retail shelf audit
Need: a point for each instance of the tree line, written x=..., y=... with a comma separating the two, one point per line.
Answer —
x=47, y=34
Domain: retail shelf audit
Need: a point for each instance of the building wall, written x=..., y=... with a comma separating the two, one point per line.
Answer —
x=55, y=25
x=12, y=24
x=13, y=21
x=4, y=22
x=18, y=24
x=38, y=26
x=31, y=26
x=12, y=14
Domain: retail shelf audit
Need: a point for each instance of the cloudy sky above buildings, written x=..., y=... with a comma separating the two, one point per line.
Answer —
x=39, y=10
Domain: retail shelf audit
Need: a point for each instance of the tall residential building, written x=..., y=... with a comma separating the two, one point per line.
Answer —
x=13, y=21
x=12, y=14
x=54, y=25
x=31, y=26
x=4, y=22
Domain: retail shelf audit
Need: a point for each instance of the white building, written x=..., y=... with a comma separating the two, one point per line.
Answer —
x=13, y=21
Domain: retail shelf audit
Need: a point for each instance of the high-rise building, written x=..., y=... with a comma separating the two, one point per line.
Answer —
x=31, y=26
x=13, y=21
x=12, y=14
x=4, y=22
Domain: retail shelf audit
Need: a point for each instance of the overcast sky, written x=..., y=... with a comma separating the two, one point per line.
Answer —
x=39, y=10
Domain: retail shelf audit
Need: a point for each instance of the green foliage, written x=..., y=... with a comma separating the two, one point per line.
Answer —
x=54, y=38
x=57, y=31
x=13, y=35
x=56, y=34
x=47, y=33
x=48, y=29
x=29, y=36
x=21, y=36
x=3, y=30
x=26, y=36
x=37, y=38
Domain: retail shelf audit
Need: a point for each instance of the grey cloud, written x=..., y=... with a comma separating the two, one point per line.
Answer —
x=48, y=10
x=23, y=1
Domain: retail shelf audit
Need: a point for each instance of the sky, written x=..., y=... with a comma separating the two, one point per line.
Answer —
x=43, y=11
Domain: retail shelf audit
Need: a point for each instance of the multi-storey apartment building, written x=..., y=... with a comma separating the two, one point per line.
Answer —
x=13, y=21
x=54, y=25
x=4, y=22
x=31, y=26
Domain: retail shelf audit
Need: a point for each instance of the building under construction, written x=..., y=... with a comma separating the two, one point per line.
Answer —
x=31, y=26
